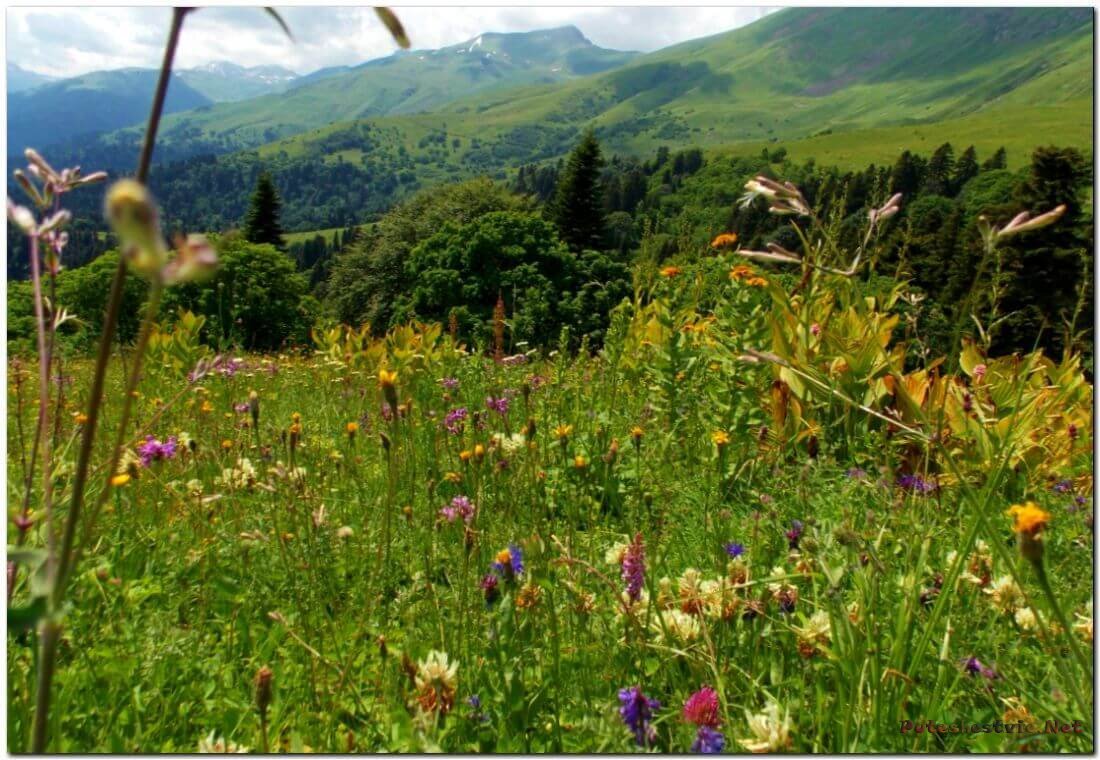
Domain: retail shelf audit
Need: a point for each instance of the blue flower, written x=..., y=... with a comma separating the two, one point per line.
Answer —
x=636, y=710
x=735, y=550
x=708, y=741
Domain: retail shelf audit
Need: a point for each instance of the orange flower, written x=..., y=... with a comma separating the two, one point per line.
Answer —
x=671, y=272
x=742, y=272
x=1028, y=518
x=725, y=240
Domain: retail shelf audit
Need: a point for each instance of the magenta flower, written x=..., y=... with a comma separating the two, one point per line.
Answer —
x=154, y=451
x=701, y=708
x=633, y=570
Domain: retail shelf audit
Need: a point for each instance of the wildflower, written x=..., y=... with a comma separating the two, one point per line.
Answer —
x=735, y=550
x=1005, y=594
x=742, y=272
x=770, y=732
x=449, y=383
x=509, y=562
x=1025, y=618
x=1023, y=222
x=206, y=407
x=720, y=438
x=154, y=451
x=724, y=240
x=120, y=480
x=528, y=596
x=80, y=418
x=436, y=683
x=817, y=631
x=708, y=741
x=691, y=600
x=701, y=708
x=579, y=462
x=670, y=272
x=227, y=444
x=254, y=407
x=387, y=382
x=563, y=431
x=1028, y=522
x=677, y=626
x=794, y=535
x=479, y=452
x=132, y=214
x=1016, y=712
x=719, y=599
x=455, y=421
x=460, y=507
x=498, y=405
x=915, y=484
x=633, y=568
x=489, y=586
x=974, y=667
x=636, y=435
x=352, y=428
x=637, y=710
x=344, y=532
x=887, y=210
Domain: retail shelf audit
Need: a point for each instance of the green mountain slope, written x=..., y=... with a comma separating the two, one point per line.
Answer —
x=406, y=82
x=226, y=82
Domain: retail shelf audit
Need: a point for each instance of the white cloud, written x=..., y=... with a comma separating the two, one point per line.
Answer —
x=66, y=41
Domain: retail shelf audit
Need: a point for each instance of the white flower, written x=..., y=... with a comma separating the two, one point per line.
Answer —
x=679, y=626
x=1005, y=594
x=770, y=732
x=1025, y=618
x=211, y=745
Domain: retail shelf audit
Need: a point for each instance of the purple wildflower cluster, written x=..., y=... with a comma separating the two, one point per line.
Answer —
x=974, y=667
x=708, y=741
x=498, y=405
x=154, y=451
x=916, y=484
x=455, y=421
x=633, y=570
x=636, y=710
x=460, y=507
x=449, y=383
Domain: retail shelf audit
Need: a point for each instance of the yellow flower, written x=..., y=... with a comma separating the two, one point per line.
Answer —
x=563, y=431
x=453, y=477
x=725, y=240
x=352, y=428
x=296, y=418
x=479, y=451
x=227, y=444
x=465, y=455
x=636, y=433
x=742, y=272
x=504, y=557
x=671, y=272
x=120, y=480
x=1028, y=518
x=720, y=437
x=756, y=282
x=80, y=418
x=580, y=462
x=207, y=407
x=387, y=378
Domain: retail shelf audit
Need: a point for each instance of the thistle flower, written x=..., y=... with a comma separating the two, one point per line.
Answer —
x=701, y=708
x=974, y=667
x=455, y=421
x=633, y=568
x=770, y=731
x=708, y=741
x=794, y=535
x=154, y=451
x=636, y=711
x=489, y=585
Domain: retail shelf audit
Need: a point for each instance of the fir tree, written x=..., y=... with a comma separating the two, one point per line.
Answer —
x=998, y=160
x=965, y=169
x=577, y=208
x=262, y=223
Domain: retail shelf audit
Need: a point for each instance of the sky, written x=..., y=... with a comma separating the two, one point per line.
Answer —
x=64, y=41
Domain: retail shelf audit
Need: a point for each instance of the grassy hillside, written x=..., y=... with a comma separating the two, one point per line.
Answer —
x=406, y=82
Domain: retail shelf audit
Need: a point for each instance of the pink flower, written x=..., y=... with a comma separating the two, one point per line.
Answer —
x=701, y=708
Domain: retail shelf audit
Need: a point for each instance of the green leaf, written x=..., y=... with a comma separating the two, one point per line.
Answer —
x=26, y=617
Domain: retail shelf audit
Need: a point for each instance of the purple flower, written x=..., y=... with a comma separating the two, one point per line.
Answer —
x=633, y=570
x=735, y=550
x=1063, y=486
x=449, y=383
x=794, y=535
x=153, y=450
x=974, y=667
x=636, y=710
x=455, y=421
x=489, y=586
x=916, y=484
x=240, y=408
x=515, y=360
x=708, y=741
x=498, y=405
x=509, y=563
x=460, y=506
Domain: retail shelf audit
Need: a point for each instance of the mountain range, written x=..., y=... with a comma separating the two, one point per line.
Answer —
x=851, y=85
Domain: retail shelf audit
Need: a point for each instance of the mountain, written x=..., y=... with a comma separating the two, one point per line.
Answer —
x=405, y=82
x=83, y=106
x=20, y=79
x=224, y=82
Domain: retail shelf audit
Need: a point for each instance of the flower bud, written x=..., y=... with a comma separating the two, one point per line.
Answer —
x=130, y=210
x=263, y=688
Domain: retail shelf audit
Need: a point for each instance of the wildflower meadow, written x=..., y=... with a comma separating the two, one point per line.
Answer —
x=751, y=517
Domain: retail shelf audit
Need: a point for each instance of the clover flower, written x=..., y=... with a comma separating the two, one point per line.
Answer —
x=701, y=708
x=770, y=731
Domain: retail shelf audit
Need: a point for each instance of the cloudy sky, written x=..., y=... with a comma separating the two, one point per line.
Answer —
x=62, y=41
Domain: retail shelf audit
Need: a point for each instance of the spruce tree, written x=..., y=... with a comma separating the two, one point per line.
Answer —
x=262, y=223
x=941, y=167
x=998, y=160
x=965, y=169
x=577, y=209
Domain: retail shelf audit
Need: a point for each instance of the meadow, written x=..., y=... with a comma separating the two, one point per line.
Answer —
x=709, y=496
x=432, y=547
